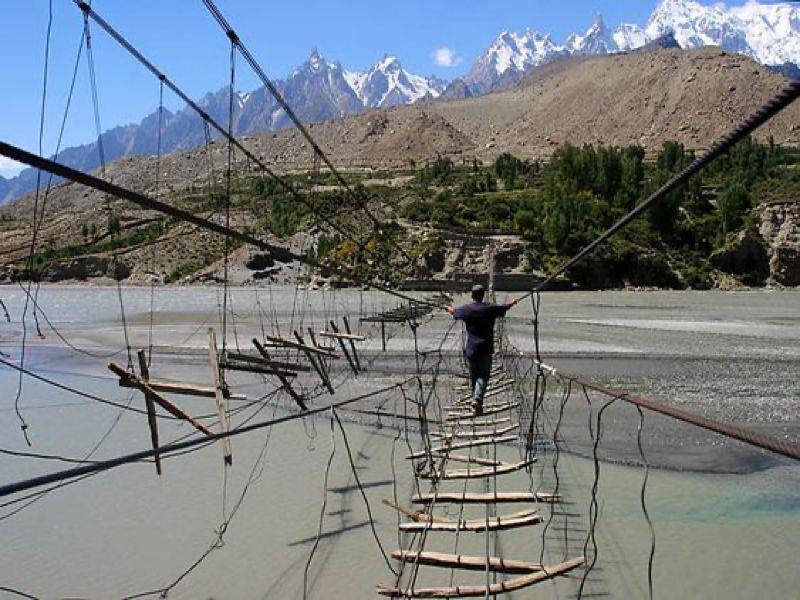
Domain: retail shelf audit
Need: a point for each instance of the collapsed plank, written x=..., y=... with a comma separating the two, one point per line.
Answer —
x=486, y=497
x=469, y=591
x=185, y=389
x=500, y=469
x=272, y=364
x=470, y=563
x=519, y=519
x=470, y=444
x=342, y=336
x=175, y=411
x=287, y=385
x=298, y=346
x=219, y=387
x=151, y=410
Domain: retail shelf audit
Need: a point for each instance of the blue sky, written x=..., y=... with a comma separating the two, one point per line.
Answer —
x=181, y=38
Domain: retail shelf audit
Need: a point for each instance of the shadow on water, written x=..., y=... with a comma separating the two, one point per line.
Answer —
x=347, y=489
x=328, y=534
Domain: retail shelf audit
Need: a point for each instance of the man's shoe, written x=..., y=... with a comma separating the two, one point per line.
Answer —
x=477, y=407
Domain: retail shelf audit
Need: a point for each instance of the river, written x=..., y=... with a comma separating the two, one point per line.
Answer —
x=728, y=527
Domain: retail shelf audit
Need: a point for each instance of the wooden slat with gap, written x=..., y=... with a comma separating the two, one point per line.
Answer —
x=490, y=411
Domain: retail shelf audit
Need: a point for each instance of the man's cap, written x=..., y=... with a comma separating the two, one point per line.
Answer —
x=478, y=289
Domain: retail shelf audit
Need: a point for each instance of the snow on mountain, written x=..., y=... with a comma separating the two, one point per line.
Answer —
x=768, y=33
x=510, y=55
x=387, y=83
x=628, y=36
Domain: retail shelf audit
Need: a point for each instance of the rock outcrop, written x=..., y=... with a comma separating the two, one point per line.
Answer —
x=780, y=228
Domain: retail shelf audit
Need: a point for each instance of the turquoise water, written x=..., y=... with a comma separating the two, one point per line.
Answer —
x=126, y=531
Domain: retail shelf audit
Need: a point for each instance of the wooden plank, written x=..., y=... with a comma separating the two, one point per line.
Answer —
x=171, y=408
x=512, y=521
x=316, y=362
x=298, y=346
x=471, y=444
x=486, y=497
x=471, y=591
x=469, y=563
x=501, y=469
x=227, y=455
x=284, y=381
x=152, y=422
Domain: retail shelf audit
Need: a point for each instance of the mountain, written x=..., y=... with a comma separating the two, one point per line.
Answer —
x=512, y=55
x=388, y=84
x=767, y=33
x=317, y=90
x=508, y=58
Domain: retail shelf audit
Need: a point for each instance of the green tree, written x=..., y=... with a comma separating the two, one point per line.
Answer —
x=733, y=202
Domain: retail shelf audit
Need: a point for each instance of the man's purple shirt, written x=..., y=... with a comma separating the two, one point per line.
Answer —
x=479, y=317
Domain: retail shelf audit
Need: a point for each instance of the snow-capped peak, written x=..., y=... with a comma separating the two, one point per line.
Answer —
x=387, y=83
x=769, y=33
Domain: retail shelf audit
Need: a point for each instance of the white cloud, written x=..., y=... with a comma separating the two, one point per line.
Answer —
x=9, y=168
x=446, y=57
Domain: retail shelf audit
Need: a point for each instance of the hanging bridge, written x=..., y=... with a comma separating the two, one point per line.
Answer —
x=484, y=488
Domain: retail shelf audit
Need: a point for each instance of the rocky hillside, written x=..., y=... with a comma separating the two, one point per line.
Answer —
x=640, y=97
x=689, y=96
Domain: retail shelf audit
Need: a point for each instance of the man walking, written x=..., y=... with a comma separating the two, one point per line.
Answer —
x=479, y=318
